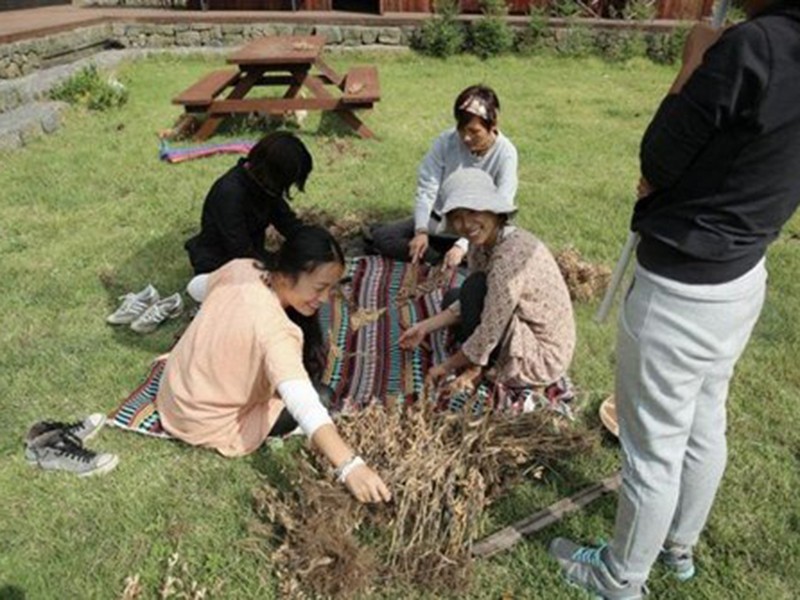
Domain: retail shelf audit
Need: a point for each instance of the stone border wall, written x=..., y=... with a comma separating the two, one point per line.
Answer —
x=26, y=56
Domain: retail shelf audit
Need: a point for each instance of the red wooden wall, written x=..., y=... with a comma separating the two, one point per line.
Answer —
x=666, y=9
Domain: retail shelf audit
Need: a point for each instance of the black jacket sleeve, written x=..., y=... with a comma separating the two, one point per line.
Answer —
x=284, y=218
x=724, y=89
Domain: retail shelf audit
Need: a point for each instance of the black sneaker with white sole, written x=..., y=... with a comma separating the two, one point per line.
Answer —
x=84, y=429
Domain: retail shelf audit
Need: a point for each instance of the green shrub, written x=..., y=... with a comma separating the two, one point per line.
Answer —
x=442, y=35
x=535, y=35
x=491, y=35
x=666, y=48
x=87, y=88
x=620, y=46
x=635, y=10
x=565, y=8
x=575, y=41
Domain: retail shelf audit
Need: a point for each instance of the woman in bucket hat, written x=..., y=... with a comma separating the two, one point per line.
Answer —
x=513, y=313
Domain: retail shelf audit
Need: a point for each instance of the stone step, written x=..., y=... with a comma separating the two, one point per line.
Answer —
x=22, y=124
x=37, y=85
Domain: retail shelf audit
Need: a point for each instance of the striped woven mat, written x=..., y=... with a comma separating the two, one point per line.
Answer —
x=365, y=365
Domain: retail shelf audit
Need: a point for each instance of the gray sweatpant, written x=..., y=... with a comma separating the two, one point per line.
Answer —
x=677, y=345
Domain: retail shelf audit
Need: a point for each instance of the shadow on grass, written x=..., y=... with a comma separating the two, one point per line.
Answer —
x=11, y=592
x=254, y=127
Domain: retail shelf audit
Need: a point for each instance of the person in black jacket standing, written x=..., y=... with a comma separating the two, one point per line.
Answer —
x=244, y=201
x=720, y=177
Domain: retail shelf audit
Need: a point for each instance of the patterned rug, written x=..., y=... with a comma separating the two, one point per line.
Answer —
x=138, y=411
x=365, y=365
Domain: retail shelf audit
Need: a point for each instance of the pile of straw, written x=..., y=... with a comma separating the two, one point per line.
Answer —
x=443, y=470
x=585, y=280
x=344, y=227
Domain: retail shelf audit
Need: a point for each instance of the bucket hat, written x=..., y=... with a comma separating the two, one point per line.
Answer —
x=474, y=189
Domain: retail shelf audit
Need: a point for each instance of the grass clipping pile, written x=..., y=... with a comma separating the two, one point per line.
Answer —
x=443, y=470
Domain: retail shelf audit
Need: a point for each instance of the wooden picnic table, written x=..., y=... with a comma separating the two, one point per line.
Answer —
x=294, y=62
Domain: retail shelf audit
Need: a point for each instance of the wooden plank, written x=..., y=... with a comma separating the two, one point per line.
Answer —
x=272, y=105
x=279, y=50
x=361, y=86
x=507, y=537
x=345, y=114
x=243, y=85
x=328, y=73
x=208, y=88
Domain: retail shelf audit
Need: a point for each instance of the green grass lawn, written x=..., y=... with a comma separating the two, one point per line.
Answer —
x=90, y=213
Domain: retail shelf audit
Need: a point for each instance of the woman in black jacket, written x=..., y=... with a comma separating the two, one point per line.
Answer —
x=247, y=199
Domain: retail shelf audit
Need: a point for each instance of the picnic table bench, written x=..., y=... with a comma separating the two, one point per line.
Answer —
x=293, y=62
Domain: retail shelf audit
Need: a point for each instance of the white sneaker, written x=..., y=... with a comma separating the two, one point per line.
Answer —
x=167, y=308
x=133, y=306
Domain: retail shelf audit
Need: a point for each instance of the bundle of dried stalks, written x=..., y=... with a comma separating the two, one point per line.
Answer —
x=585, y=280
x=344, y=226
x=417, y=283
x=443, y=469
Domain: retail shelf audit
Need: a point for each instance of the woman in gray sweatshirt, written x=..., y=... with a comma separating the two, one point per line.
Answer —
x=475, y=142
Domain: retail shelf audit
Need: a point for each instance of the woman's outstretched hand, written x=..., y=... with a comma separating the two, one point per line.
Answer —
x=367, y=486
x=412, y=337
x=434, y=375
x=454, y=257
x=417, y=247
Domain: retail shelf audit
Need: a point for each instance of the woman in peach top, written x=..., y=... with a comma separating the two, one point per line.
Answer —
x=240, y=372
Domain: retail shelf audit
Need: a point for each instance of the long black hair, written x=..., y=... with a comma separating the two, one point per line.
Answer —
x=309, y=247
x=278, y=161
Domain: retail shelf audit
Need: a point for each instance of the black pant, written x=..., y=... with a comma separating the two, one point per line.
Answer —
x=471, y=296
x=392, y=239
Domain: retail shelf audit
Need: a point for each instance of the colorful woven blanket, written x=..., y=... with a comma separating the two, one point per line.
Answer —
x=178, y=155
x=365, y=365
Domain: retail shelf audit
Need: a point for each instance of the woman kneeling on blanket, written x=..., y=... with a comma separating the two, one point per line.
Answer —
x=513, y=313
x=241, y=372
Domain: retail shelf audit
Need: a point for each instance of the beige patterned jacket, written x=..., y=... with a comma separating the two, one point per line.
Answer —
x=527, y=311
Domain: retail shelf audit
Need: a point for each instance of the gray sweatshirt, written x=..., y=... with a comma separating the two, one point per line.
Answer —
x=449, y=154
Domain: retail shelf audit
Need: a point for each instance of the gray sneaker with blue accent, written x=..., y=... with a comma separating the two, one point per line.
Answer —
x=678, y=559
x=584, y=567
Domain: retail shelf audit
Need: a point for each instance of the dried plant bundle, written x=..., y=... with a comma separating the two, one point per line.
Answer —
x=585, y=280
x=443, y=469
x=416, y=283
x=365, y=316
x=344, y=226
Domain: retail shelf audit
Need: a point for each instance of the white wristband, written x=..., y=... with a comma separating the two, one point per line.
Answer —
x=346, y=468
